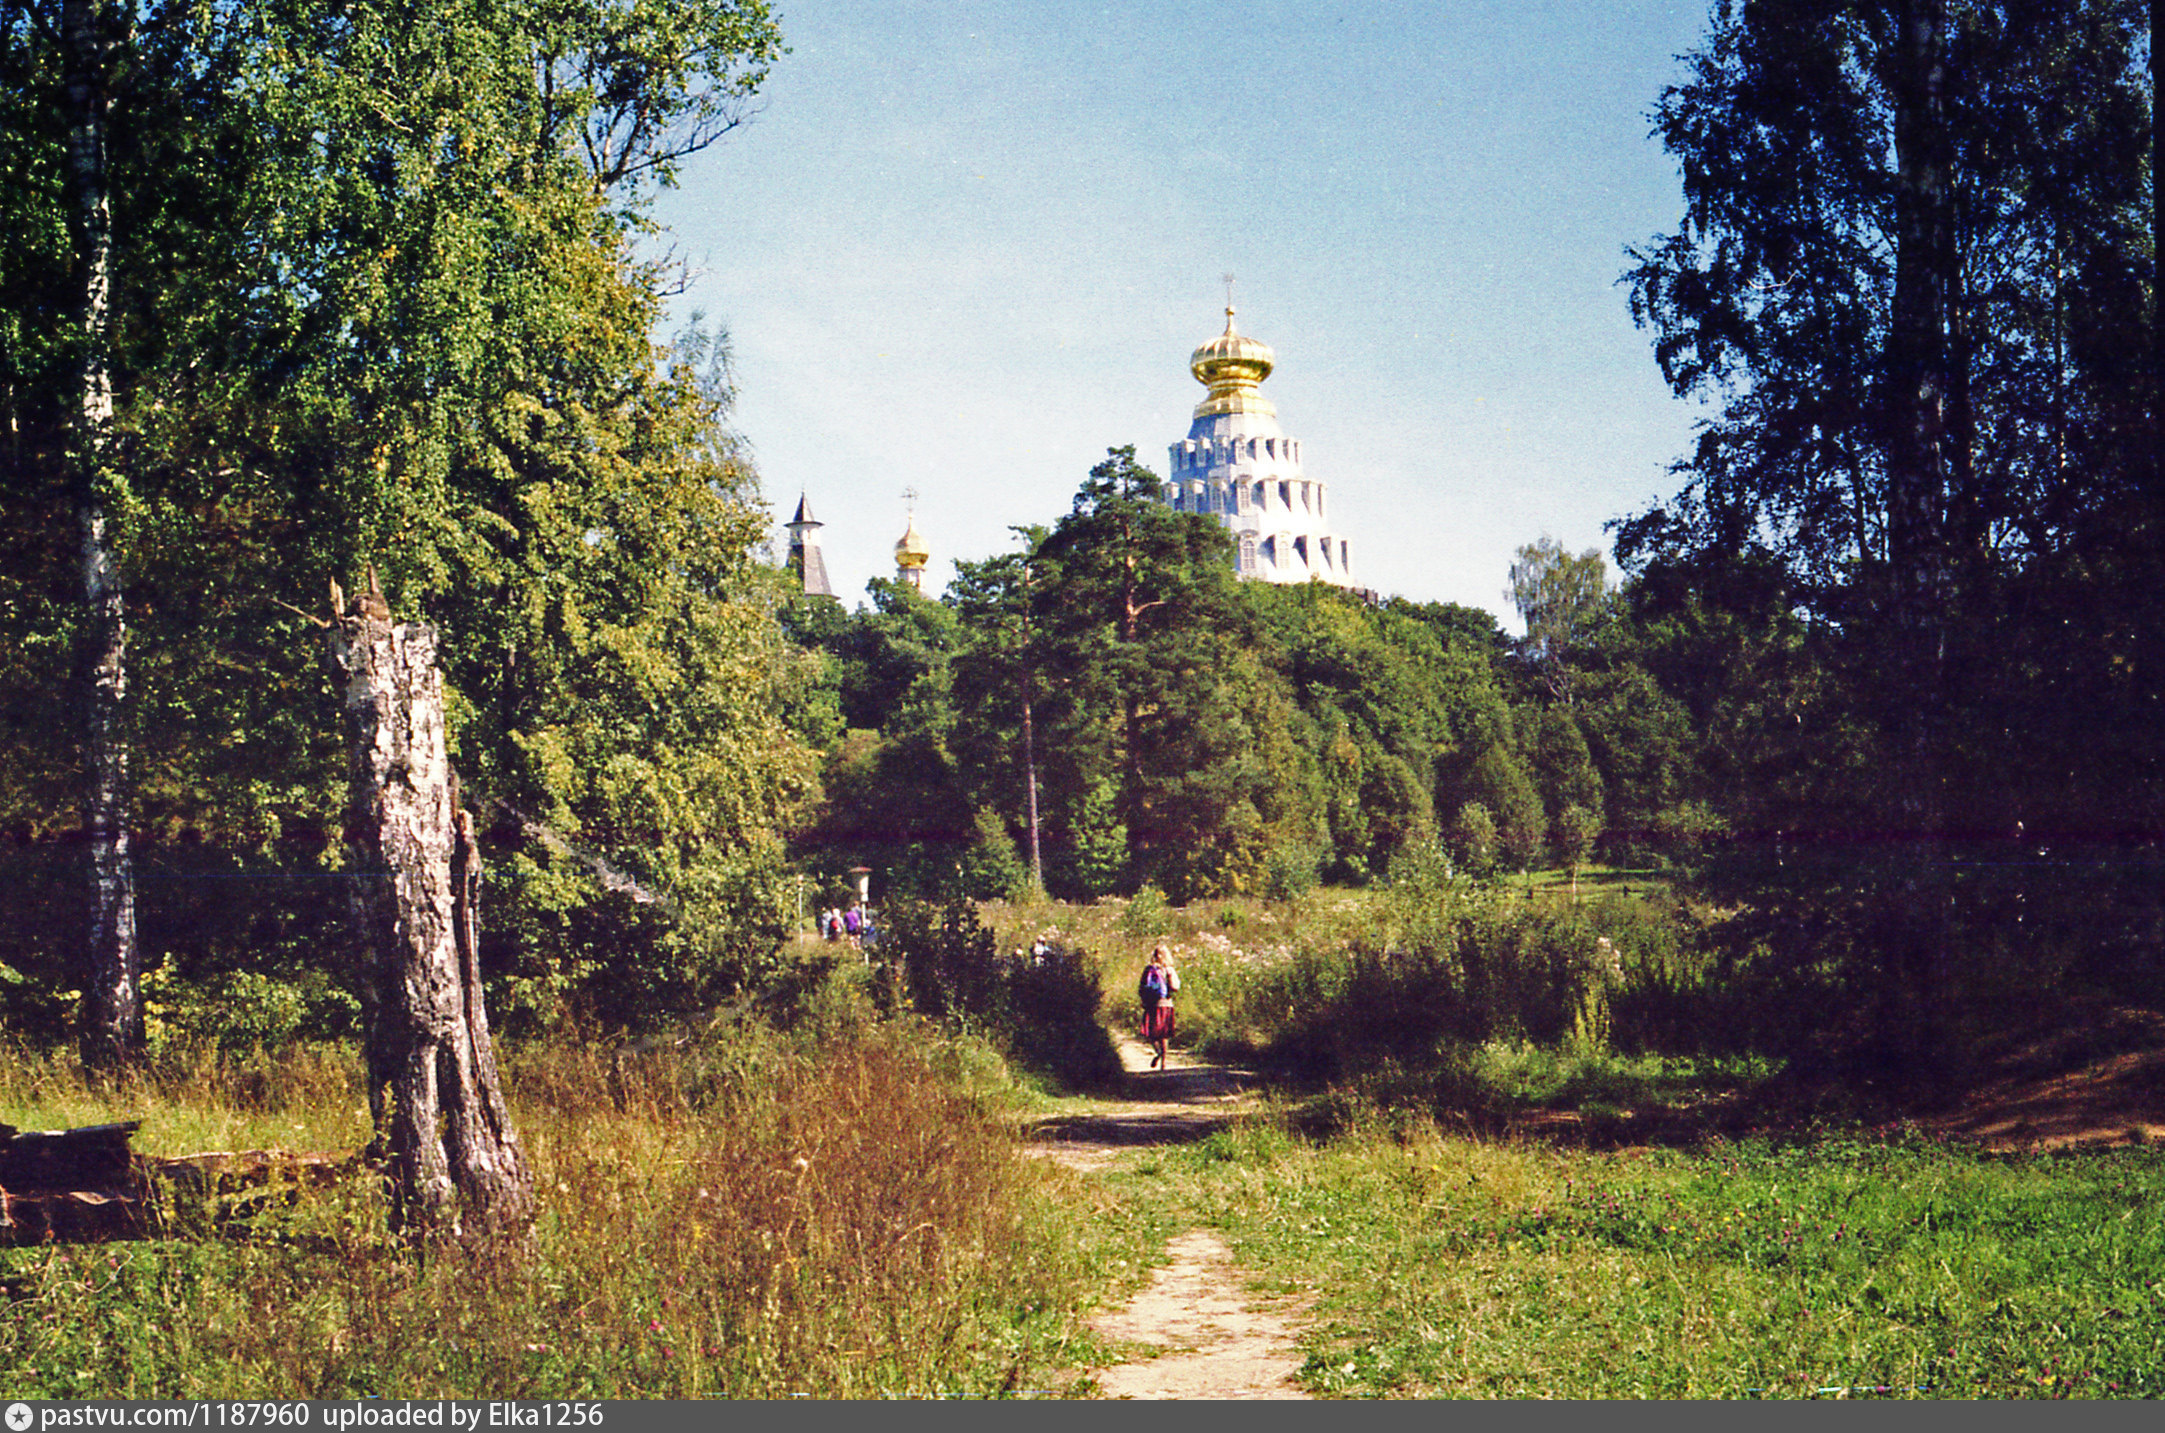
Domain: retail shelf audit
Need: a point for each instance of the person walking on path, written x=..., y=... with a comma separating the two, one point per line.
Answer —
x=1156, y=990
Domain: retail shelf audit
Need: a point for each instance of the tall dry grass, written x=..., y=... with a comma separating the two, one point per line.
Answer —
x=749, y=1214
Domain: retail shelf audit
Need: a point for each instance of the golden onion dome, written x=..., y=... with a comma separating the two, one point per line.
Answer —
x=912, y=550
x=1230, y=366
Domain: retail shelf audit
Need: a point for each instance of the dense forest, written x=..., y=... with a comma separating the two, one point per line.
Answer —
x=290, y=289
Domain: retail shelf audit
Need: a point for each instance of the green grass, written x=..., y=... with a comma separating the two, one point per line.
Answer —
x=1517, y=1074
x=1447, y=1267
x=842, y=1210
x=1594, y=881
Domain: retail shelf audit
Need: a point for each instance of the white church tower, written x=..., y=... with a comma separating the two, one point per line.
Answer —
x=1238, y=466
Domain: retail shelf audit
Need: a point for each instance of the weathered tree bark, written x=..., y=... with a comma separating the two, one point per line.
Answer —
x=113, y=1023
x=441, y=1124
x=1925, y=469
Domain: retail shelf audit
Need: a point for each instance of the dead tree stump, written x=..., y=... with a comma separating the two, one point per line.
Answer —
x=441, y=1125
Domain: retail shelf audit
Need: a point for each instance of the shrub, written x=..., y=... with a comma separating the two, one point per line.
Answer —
x=1290, y=872
x=243, y=1010
x=1443, y=964
x=1475, y=840
x=1041, y=1012
x=1145, y=915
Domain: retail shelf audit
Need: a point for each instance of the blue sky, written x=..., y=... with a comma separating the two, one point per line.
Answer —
x=965, y=248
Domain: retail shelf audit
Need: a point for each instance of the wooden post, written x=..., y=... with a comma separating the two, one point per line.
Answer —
x=441, y=1124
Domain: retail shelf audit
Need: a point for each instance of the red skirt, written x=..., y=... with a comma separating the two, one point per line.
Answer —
x=1158, y=1021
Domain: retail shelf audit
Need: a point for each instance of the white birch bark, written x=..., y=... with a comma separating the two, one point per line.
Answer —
x=113, y=1028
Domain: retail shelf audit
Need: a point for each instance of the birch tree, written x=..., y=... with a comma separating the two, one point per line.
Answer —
x=353, y=282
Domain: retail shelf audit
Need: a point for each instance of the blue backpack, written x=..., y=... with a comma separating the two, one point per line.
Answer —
x=1152, y=987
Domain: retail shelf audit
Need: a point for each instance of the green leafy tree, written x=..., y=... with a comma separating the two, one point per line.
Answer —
x=1150, y=685
x=1563, y=600
x=993, y=869
x=1576, y=829
x=1474, y=840
x=895, y=797
x=370, y=298
x=1097, y=844
x=1825, y=150
x=1915, y=272
x=1501, y=786
x=1390, y=697
x=1563, y=766
x=997, y=683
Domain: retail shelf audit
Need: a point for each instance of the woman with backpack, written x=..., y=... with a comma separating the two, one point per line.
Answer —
x=1155, y=990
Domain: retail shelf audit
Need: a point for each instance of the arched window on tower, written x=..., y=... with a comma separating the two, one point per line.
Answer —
x=1247, y=556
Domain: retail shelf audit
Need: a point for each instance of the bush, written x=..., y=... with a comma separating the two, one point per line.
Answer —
x=243, y=1010
x=1054, y=1003
x=1145, y=915
x=1446, y=964
x=1290, y=872
x=1042, y=1012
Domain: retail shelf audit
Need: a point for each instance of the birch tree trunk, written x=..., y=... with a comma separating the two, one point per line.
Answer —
x=1923, y=474
x=441, y=1124
x=113, y=1024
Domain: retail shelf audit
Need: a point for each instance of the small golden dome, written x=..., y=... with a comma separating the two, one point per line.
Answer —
x=912, y=550
x=1230, y=366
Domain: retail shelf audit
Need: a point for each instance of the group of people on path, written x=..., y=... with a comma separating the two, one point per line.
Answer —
x=853, y=925
x=1155, y=989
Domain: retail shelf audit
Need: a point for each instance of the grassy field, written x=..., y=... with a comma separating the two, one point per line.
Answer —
x=1437, y=1259
x=843, y=1209
x=1442, y=1267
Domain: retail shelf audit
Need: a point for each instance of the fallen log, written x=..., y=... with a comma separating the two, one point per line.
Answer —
x=87, y=1158
x=85, y=1186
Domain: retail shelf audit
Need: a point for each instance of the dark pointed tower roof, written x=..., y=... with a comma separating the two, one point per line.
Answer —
x=804, y=553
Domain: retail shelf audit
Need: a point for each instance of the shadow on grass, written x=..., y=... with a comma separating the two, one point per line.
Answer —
x=1179, y=1105
x=1134, y=1131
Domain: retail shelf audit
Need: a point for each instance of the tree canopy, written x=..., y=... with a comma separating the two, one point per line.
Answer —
x=372, y=298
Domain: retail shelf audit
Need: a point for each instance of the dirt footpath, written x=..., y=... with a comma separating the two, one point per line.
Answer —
x=1218, y=1340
